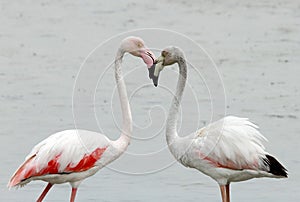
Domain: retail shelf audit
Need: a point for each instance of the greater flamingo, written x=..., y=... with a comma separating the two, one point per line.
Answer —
x=228, y=150
x=73, y=155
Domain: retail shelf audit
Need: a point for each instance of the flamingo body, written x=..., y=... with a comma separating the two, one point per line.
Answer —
x=66, y=156
x=228, y=150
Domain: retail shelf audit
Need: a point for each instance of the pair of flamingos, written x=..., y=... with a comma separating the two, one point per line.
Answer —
x=228, y=150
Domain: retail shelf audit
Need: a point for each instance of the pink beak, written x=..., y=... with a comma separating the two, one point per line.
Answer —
x=148, y=57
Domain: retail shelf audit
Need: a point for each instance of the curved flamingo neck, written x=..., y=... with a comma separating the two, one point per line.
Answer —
x=171, y=127
x=124, y=139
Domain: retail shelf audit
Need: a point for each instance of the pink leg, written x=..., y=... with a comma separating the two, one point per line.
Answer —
x=223, y=193
x=227, y=193
x=74, y=191
x=42, y=196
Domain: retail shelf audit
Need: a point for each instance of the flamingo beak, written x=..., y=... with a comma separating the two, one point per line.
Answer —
x=148, y=57
x=155, y=69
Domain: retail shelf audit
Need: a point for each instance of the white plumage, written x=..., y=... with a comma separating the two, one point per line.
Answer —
x=229, y=144
x=232, y=139
x=66, y=149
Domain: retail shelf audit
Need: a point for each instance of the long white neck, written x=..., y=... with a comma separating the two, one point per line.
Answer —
x=171, y=127
x=126, y=132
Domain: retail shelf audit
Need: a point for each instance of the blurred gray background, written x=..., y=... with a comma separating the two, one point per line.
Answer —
x=255, y=44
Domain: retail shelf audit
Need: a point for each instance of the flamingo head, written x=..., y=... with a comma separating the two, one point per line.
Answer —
x=136, y=46
x=169, y=56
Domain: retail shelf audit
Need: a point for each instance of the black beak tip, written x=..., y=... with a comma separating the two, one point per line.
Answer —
x=151, y=74
x=151, y=71
x=155, y=80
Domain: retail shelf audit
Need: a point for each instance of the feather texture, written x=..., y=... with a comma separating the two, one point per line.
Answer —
x=63, y=152
x=232, y=142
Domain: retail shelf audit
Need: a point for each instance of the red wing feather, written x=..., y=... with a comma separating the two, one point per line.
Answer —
x=28, y=169
x=87, y=161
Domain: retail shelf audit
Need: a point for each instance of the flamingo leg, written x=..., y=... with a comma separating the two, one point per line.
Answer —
x=42, y=196
x=228, y=192
x=223, y=193
x=73, y=194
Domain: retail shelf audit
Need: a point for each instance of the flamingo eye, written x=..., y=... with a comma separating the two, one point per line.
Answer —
x=164, y=53
x=140, y=45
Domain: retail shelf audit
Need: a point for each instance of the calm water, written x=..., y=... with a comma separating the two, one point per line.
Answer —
x=254, y=44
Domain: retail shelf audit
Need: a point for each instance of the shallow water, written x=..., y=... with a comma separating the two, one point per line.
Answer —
x=254, y=44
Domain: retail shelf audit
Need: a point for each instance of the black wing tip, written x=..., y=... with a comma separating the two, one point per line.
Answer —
x=276, y=168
